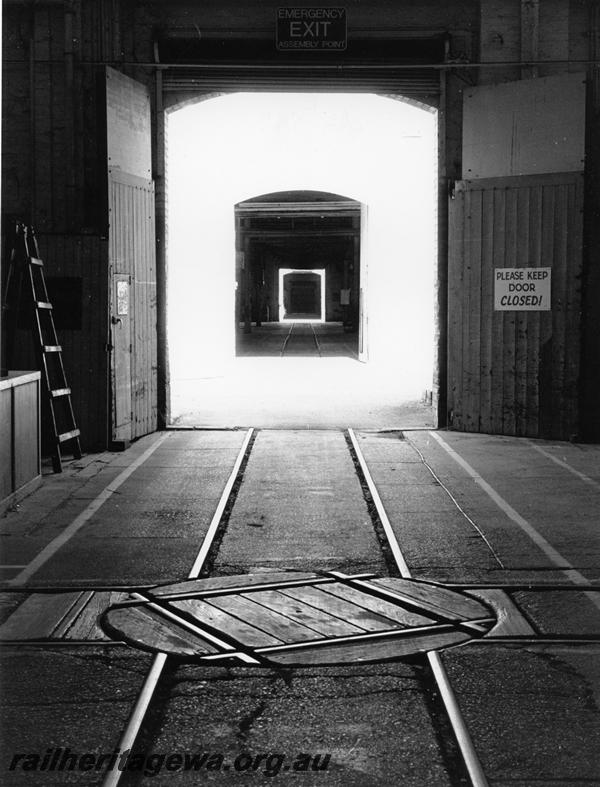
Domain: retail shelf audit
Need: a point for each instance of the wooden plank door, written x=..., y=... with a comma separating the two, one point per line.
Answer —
x=515, y=372
x=120, y=330
x=514, y=367
x=131, y=257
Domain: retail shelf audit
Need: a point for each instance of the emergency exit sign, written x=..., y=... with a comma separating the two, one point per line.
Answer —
x=522, y=289
x=311, y=29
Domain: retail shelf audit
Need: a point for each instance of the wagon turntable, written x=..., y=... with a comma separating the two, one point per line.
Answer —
x=287, y=619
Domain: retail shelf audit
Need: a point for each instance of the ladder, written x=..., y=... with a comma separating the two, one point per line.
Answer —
x=59, y=417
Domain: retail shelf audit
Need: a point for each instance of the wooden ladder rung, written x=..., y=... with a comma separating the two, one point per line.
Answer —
x=62, y=438
x=59, y=414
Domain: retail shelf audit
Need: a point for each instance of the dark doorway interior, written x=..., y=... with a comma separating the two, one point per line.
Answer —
x=313, y=238
x=302, y=296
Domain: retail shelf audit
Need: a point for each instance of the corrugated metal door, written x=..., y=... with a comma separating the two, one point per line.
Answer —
x=380, y=62
x=131, y=254
x=514, y=372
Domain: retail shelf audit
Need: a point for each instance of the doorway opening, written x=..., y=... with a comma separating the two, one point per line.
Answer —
x=285, y=207
x=301, y=295
x=298, y=260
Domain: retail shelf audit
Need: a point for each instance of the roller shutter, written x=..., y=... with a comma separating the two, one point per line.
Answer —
x=409, y=66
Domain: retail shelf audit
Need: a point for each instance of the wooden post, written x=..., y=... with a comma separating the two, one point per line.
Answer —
x=163, y=376
x=355, y=282
x=260, y=286
x=530, y=33
x=346, y=283
x=449, y=170
x=247, y=284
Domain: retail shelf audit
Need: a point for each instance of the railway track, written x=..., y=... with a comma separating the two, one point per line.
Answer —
x=443, y=686
x=302, y=339
x=463, y=764
x=144, y=699
x=457, y=722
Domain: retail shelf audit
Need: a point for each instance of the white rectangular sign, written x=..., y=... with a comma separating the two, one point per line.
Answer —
x=522, y=289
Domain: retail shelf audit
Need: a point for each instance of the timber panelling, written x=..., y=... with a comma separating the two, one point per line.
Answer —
x=508, y=320
x=533, y=330
x=497, y=220
x=521, y=318
x=132, y=251
x=487, y=239
x=26, y=432
x=515, y=372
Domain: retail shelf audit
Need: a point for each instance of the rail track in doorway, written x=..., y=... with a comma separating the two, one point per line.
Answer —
x=301, y=339
x=440, y=686
x=455, y=740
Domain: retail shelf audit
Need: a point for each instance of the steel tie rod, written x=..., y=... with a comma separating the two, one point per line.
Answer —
x=461, y=732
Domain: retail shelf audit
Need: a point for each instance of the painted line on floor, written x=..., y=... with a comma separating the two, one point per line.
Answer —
x=88, y=512
x=545, y=546
x=561, y=463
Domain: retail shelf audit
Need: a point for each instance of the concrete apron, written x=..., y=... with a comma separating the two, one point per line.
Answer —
x=300, y=506
x=533, y=711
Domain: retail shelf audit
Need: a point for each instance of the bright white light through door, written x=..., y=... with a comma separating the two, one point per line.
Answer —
x=378, y=151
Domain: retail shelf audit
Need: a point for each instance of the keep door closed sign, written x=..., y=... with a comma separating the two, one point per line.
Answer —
x=522, y=289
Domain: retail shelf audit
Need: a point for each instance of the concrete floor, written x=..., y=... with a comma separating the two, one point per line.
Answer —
x=310, y=339
x=464, y=508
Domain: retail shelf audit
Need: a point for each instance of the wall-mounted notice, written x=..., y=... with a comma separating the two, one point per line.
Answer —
x=122, y=297
x=522, y=289
x=312, y=29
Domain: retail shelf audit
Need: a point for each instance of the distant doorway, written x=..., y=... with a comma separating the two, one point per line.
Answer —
x=301, y=295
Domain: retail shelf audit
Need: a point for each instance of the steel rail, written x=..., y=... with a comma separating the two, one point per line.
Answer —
x=146, y=693
x=459, y=727
x=516, y=640
x=214, y=524
x=317, y=345
x=533, y=587
x=286, y=340
x=387, y=526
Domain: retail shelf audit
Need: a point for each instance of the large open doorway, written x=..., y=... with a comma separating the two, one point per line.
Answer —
x=338, y=191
